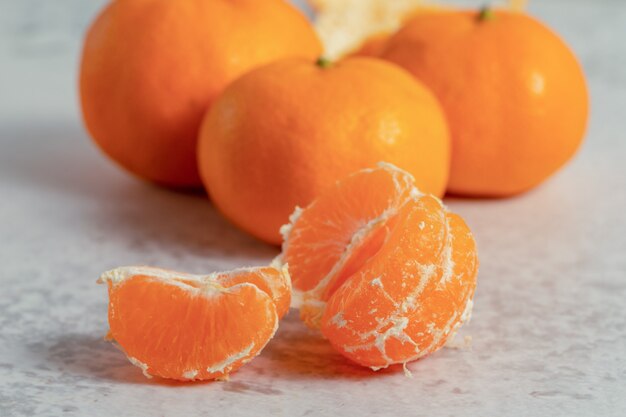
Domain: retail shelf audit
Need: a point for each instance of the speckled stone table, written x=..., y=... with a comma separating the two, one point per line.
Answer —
x=549, y=324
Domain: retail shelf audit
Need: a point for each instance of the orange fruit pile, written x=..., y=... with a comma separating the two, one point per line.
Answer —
x=191, y=327
x=388, y=276
x=234, y=96
x=281, y=134
x=229, y=96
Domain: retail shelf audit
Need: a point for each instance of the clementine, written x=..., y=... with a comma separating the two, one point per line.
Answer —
x=151, y=68
x=514, y=95
x=282, y=133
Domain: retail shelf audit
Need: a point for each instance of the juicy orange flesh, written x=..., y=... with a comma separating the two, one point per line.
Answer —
x=175, y=329
x=367, y=297
x=398, y=292
x=360, y=255
x=405, y=304
x=323, y=231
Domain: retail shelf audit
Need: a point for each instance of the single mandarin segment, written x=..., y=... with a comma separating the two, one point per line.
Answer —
x=151, y=68
x=194, y=327
x=514, y=95
x=281, y=134
x=387, y=273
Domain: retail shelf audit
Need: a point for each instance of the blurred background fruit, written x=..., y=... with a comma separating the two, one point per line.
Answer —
x=343, y=25
x=282, y=133
x=346, y=26
x=151, y=68
x=514, y=95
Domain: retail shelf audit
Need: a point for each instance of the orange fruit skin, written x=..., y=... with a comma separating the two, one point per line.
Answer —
x=188, y=327
x=282, y=133
x=151, y=68
x=372, y=46
x=388, y=276
x=514, y=95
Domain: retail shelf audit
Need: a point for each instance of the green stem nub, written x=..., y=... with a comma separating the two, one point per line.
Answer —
x=485, y=13
x=324, y=62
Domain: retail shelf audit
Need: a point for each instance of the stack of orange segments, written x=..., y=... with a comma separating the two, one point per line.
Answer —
x=388, y=277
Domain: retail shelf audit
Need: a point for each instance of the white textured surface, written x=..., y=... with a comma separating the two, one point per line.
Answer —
x=549, y=323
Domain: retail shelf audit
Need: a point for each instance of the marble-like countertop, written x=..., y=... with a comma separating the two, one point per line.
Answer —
x=549, y=324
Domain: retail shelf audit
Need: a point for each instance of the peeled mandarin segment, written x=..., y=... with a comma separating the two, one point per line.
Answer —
x=333, y=236
x=464, y=259
x=403, y=282
x=434, y=318
x=317, y=238
x=425, y=296
x=191, y=327
x=394, y=275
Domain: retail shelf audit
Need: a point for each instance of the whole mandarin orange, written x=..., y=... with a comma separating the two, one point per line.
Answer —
x=282, y=133
x=151, y=68
x=514, y=95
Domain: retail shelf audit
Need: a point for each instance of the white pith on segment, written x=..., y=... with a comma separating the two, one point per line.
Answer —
x=245, y=355
x=190, y=375
x=285, y=230
x=399, y=319
x=284, y=270
x=209, y=288
x=311, y=300
x=395, y=324
x=224, y=366
x=138, y=364
x=209, y=284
